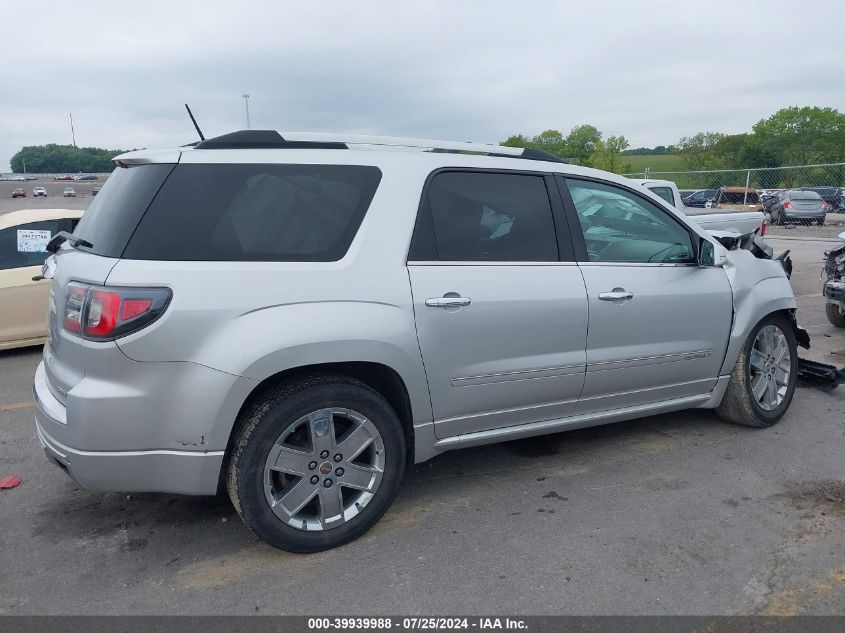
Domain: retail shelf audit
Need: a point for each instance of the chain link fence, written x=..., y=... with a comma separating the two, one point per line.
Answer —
x=827, y=180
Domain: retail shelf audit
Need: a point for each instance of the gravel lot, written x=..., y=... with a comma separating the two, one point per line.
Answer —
x=674, y=514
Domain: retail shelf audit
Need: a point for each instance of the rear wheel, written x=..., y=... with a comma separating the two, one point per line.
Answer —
x=834, y=314
x=820, y=222
x=316, y=462
x=763, y=380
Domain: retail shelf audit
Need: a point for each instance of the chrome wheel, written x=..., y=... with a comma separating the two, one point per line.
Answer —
x=770, y=366
x=324, y=469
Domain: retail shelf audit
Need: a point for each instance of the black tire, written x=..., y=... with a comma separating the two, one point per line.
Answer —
x=834, y=314
x=739, y=404
x=262, y=423
x=820, y=222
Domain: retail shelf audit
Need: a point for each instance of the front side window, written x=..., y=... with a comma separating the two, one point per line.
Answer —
x=620, y=226
x=478, y=216
x=26, y=244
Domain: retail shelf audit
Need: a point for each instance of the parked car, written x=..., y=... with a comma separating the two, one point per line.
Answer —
x=831, y=195
x=69, y=192
x=18, y=192
x=802, y=205
x=301, y=323
x=66, y=177
x=738, y=199
x=39, y=192
x=708, y=219
x=700, y=198
x=23, y=241
x=95, y=191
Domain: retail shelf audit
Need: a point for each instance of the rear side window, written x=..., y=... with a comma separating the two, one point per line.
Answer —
x=114, y=213
x=255, y=213
x=477, y=216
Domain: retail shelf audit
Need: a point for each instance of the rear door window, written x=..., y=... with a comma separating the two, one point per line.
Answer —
x=255, y=212
x=482, y=216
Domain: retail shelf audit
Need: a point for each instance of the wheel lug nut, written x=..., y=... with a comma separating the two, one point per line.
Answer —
x=314, y=479
x=327, y=483
x=338, y=472
x=324, y=454
x=338, y=457
x=312, y=465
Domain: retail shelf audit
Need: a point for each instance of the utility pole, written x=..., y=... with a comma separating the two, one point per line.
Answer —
x=246, y=103
x=72, y=133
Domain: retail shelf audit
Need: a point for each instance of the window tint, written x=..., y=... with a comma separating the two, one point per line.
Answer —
x=665, y=193
x=114, y=213
x=255, y=213
x=25, y=244
x=480, y=216
x=620, y=226
x=738, y=197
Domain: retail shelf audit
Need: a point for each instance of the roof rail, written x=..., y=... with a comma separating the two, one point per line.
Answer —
x=270, y=139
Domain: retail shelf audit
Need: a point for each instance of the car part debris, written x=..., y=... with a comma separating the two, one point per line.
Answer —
x=819, y=375
x=10, y=482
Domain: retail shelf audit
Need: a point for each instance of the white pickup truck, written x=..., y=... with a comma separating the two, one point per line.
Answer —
x=725, y=220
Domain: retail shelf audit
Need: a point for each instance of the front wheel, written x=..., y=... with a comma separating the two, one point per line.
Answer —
x=763, y=380
x=316, y=462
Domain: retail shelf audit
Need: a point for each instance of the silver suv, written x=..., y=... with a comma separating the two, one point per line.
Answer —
x=296, y=319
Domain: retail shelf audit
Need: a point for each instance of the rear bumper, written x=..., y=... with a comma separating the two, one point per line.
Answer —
x=174, y=471
x=804, y=215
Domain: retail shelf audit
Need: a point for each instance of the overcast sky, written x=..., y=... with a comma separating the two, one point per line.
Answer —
x=458, y=70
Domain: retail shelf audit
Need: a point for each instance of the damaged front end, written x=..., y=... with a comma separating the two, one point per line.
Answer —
x=810, y=373
x=833, y=289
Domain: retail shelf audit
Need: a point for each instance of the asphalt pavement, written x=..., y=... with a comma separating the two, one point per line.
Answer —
x=674, y=514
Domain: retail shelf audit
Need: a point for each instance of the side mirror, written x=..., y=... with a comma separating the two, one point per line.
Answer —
x=706, y=253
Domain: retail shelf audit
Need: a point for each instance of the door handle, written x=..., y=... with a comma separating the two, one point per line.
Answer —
x=448, y=302
x=617, y=294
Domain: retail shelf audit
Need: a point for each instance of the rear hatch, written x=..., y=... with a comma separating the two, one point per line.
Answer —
x=107, y=225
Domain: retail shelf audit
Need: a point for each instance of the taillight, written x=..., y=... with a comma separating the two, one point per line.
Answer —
x=825, y=206
x=763, y=228
x=105, y=313
x=786, y=204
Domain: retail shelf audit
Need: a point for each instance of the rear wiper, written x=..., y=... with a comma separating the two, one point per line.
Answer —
x=63, y=236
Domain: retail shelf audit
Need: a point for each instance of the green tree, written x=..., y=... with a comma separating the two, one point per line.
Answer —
x=582, y=143
x=52, y=158
x=516, y=140
x=698, y=150
x=803, y=135
x=551, y=141
x=608, y=154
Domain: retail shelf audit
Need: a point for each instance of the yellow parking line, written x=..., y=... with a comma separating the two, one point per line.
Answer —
x=14, y=406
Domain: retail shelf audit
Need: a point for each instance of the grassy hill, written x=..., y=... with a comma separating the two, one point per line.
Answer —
x=655, y=162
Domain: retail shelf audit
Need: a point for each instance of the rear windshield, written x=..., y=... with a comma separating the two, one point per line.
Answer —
x=230, y=212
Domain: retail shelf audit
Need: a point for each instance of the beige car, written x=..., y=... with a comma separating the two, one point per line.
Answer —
x=23, y=302
x=738, y=199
